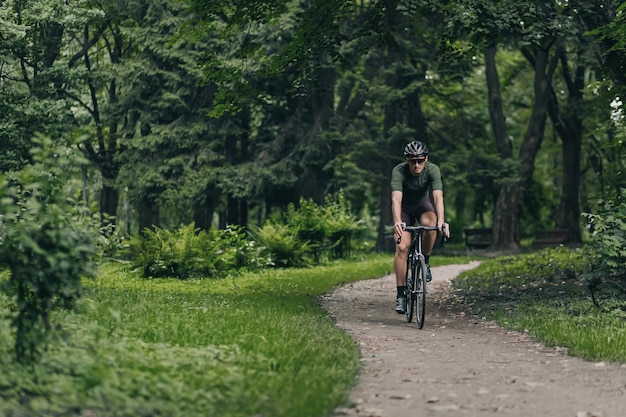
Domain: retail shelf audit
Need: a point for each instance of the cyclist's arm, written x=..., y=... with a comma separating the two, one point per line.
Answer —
x=396, y=211
x=439, y=210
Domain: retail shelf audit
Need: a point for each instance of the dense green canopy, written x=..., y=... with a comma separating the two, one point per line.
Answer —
x=225, y=112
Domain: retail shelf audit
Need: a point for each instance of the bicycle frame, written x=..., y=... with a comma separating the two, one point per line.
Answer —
x=415, y=283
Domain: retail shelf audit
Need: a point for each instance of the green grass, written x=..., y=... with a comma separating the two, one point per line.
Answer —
x=594, y=335
x=258, y=344
x=542, y=293
x=251, y=345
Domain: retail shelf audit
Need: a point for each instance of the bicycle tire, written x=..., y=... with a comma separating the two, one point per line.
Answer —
x=420, y=293
x=409, y=290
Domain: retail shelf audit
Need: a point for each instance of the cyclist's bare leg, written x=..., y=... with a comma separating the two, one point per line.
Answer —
x=399, y=260
x=428, y=218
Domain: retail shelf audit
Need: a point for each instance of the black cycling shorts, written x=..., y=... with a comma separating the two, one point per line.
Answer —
x=412, y=213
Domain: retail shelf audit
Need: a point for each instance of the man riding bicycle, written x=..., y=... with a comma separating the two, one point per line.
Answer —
x=413, y=183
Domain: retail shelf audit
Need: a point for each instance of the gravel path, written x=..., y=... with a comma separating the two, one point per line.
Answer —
x=462, y=366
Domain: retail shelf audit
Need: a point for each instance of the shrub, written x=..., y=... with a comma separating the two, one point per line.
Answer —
x=237, y=249
x=340, y=225
x=46, y=244
x=280, y=243
x=606, y=254
x=171, y=253
x=307, y=221
x=326, y=229
x=188, y=252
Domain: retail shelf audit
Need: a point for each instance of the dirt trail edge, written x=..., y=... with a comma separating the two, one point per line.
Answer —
x=462, y=366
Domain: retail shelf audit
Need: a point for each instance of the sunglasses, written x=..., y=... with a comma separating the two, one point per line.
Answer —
x=419, y=161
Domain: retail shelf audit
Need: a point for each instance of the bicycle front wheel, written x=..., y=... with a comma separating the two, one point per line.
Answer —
x=420, y=293
x=409, y=290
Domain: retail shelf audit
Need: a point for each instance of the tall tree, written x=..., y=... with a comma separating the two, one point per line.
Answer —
x=535, y=28
x=569, y=125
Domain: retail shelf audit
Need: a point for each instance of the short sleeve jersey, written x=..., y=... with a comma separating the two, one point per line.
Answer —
x=415, y=188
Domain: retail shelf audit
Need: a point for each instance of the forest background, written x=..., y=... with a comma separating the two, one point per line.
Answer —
x=179, y=129
x=226, y=112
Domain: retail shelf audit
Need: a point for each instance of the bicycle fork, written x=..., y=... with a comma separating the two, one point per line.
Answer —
x=416, y=258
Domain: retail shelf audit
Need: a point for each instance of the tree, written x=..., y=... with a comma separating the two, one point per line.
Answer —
x=539, y=30
x=28, y=46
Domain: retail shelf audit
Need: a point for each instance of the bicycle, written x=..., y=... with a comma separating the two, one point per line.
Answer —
x=415, y=283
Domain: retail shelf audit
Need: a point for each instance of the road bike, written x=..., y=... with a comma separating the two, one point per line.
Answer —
x=416, y=286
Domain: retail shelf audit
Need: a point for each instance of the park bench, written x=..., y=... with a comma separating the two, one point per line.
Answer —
x=550, y=237
x=479, y=238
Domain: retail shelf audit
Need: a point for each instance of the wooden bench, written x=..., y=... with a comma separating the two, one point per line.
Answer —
x=479, y=238
x=550, y=237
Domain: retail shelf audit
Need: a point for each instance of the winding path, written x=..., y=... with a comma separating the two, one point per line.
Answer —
x=461, y=366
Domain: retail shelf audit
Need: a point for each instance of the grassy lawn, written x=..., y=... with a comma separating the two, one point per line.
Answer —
x=259, y=344
x=541, y=293
x=251, y=345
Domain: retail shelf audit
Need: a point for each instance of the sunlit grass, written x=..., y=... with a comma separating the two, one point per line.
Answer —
x=542, y=294
x=256, y=344
x=594, y=336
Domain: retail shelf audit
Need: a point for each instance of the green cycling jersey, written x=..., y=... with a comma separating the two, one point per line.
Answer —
x=415, y=188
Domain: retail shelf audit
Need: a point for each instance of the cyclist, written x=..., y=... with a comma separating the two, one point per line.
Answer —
x=413, y=183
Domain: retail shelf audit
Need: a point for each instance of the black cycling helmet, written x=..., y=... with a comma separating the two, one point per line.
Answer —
x=415, y=149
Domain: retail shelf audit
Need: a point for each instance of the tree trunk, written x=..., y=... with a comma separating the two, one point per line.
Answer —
x=204, y=208
x=506, y=234
x=568, y=216
x=506, y=228
x=384, y=242
x=496, y=112
x=109, y=197
x=148, y=214
x=237, y=211
x=316, y=179
x=570, y=130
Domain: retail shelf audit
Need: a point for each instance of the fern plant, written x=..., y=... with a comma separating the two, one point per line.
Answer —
x=188, y=252
x=281, y=244
x=340, y=225
x=172, y=253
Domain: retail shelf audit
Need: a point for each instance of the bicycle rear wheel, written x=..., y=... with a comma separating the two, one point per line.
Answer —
x=409, y=290
x=420, y=293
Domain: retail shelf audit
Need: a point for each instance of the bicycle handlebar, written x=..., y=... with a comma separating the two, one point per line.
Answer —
x=444, y=238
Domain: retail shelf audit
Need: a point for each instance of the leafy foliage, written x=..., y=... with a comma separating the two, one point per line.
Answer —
x=606, y=254
x=44, y=243
x=187, y=252
x=281, y=244
x=326, y=228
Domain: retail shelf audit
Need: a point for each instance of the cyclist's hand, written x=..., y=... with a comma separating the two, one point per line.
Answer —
x=444, y=228
x=398, y=229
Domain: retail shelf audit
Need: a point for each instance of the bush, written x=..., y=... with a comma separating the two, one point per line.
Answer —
x=340, y=225
x=45, y=243
x=606, y=254
x=307, y=221
x=176, y=253
x=326, y=229
x=281, y=245
x=187, y=252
